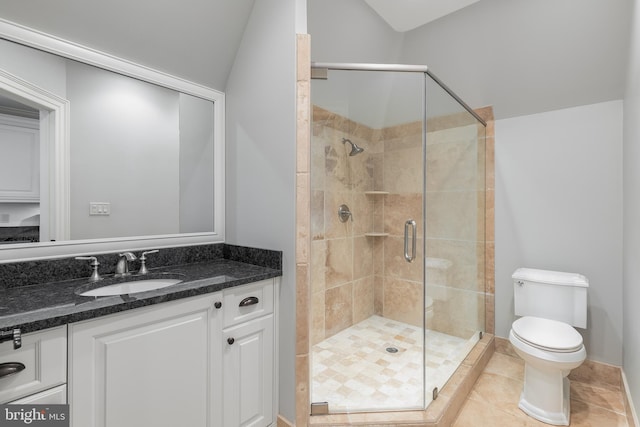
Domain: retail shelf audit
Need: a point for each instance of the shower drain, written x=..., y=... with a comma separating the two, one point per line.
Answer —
x=391, y=350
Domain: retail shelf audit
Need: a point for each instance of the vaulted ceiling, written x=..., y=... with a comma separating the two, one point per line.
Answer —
x=194, y=39
x=521, y=56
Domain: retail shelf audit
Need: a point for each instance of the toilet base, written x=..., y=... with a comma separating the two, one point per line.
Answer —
x=551, y=404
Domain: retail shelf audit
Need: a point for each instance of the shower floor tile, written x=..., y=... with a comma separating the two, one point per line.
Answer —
x=353, y=370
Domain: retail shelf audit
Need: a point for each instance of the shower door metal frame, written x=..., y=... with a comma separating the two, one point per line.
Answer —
x=407, y=68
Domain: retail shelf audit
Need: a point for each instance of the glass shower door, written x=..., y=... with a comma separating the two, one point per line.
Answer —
x=367, y=250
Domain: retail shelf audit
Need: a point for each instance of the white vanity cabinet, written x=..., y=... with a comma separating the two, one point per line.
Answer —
x=248, y=359
x=42, y=374
x=171, y=364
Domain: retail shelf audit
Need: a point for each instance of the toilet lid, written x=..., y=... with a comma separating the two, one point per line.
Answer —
x=546, y=334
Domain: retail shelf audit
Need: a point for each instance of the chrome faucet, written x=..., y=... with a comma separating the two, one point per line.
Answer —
x=122, y=267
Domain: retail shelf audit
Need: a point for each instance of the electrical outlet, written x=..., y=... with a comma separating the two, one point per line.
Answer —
x=99, y=208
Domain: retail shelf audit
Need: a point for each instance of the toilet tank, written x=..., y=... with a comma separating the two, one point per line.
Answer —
x=551, y=295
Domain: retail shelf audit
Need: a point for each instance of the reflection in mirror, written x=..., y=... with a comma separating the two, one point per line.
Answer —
x=19, y=172
x=140, y=160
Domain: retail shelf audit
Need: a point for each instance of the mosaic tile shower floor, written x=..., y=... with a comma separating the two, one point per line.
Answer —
x=353, y=371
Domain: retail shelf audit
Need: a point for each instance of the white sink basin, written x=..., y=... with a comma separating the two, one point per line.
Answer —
x=131, y=287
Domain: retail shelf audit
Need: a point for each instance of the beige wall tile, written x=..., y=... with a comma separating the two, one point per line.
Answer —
x=490, y=314
x=317, y=317
x=362, y=257
x=462, y=315
x=448, y=215
x=405, y=166
x=303, y=129
x=408, y=133
x=337, y=171
x=317, y=214
x=302, y=390
x=362, y=207
x=333, y=227
x=363, y=299
x=463, y=272
x=396, y=266
x=339, y=262
x=318, y=268
x=338, y=309
x=490, y=269
x=303, y=296
x=452, y=165
x=317, y=159
x=303, y=215
x=490, y=162
x=403, y=301
x=303, y=57
x=378, y=295
x=399, y=208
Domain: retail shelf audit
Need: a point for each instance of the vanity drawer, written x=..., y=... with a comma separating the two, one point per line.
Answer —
x=44, y=356
x=247, y=302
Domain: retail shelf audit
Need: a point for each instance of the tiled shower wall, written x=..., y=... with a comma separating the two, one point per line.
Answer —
x=357, y=267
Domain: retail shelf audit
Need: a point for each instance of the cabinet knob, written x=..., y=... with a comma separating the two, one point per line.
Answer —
x=230, y=340
x=217, y=304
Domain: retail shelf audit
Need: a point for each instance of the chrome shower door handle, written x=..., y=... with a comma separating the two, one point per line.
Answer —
x=409, y=257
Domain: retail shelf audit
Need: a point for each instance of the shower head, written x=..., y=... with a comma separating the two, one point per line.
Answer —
x=354, y=148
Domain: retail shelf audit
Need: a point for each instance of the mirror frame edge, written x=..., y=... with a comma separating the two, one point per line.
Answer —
x=42, y=250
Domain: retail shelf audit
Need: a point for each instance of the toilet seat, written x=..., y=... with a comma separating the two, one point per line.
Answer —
x=547, y=335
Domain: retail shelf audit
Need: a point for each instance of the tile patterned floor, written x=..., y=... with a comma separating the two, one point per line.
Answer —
x=493, y=400
x=353, y=371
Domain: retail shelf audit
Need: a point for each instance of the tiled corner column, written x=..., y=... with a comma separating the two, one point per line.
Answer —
x=303, y=220
x=490, y=248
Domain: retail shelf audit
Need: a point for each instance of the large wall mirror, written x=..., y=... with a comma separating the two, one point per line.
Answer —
x=100, y=154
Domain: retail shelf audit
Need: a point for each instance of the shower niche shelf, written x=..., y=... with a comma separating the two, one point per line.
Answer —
x=375, y=234
x=376, y=193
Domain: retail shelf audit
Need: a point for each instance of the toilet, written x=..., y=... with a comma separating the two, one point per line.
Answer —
x=550, y=304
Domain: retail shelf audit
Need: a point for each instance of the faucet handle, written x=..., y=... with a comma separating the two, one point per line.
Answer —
x=143, y=258
x=155, y=251
x=95, y=276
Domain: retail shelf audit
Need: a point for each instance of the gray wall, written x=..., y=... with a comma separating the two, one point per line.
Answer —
x=261, y=171
x=631, y=151
x=559, y=207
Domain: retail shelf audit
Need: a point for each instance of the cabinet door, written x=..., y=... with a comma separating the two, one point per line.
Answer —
x=146, y=367
x=249, y=373
x=56, y=395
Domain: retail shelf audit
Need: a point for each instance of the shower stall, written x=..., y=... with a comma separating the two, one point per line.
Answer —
x=397, y=236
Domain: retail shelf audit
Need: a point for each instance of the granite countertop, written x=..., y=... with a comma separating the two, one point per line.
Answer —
x=42, y=306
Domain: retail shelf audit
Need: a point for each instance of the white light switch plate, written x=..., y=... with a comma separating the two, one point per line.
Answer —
x=99, y=208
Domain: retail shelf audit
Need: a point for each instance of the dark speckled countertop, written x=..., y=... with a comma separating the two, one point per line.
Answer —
x=32, y=307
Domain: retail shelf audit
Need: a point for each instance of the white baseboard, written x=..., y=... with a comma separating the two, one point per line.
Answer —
x=631, y=410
